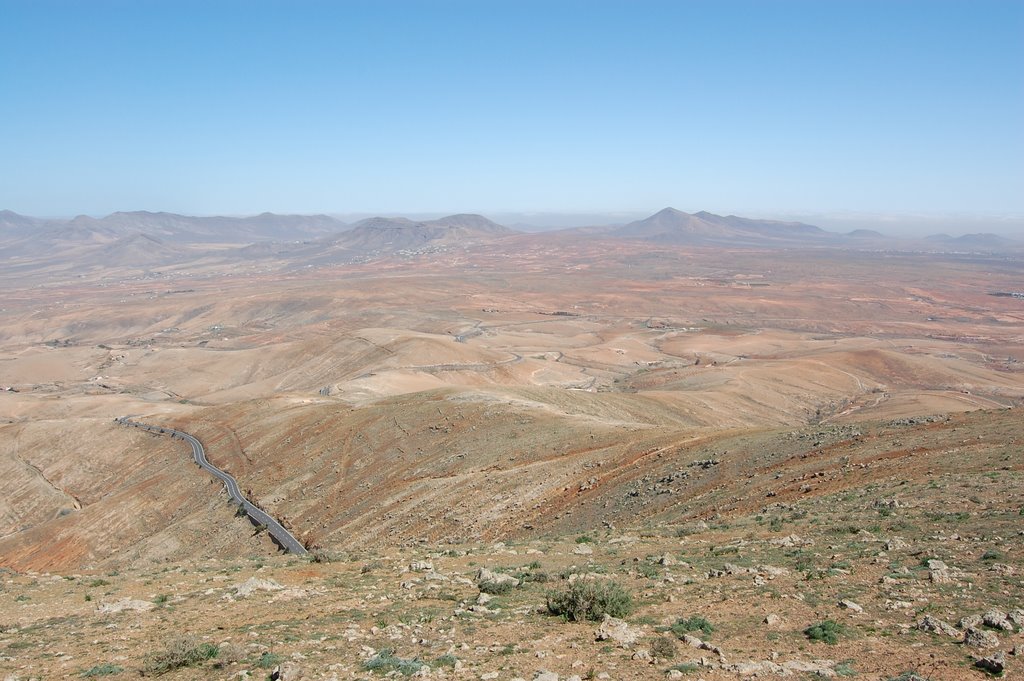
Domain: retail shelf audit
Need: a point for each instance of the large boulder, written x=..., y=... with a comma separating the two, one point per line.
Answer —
x=937, y=626
x=979, y=638
x=614, y=629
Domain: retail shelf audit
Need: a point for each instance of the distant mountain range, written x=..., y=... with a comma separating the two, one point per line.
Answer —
x=400, y=234
x=173, y=227
x=144, y=240
x=676, y=227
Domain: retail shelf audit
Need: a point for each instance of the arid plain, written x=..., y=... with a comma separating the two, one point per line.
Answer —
x=759, y=436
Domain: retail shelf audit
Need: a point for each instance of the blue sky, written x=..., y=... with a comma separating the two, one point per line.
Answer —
x=768, y=108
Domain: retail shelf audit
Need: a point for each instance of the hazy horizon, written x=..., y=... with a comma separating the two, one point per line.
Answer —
x=906, y=226
x=802, y=109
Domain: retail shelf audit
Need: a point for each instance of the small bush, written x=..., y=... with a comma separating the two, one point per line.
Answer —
x=648, y=570
x=590, y=600
x=845, y=668
x=828, y=631
x=584, y=539
x=663, y=648
x=538, y=577
x=102, y=670
x=268, y=660
x=495, y=588
x=385, y=661
x=230, y=653
x=684, y=625
x=181, y=651
x=446, y=660
x=321, y=556
x=685, y=667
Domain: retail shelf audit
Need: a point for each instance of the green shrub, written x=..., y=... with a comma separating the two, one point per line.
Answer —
x=845, y=668
x=446, y=660
x=385, y=661
x=684, y=625
x=268, y=660
x=590, y=600
x=828, y=631
x=495, y=588
x=648, y=570
x=102, y=670
x=685, y=667
x=181, y=651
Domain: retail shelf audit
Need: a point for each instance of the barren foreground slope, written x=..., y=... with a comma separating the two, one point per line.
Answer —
x=707, y=404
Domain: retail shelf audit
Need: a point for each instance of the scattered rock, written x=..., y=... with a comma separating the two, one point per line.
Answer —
x=993, y=664
x=790, y=540
x=667, y=560
x=979, y=638
x=582, y=550
x=614, y=629
x=851, y=606
x=969, y=621
x=125, y=604
x=772, y=620
x=544, y=675
x=895, y=544
x=287, y=671
x=1017, y=617
x=642, y=654
x=997, y=620
x=753, y=668
x=421, y=566
x=498, y=579
x=937, y=626
x=771, y=571
x=252, y=584
x=695, y=642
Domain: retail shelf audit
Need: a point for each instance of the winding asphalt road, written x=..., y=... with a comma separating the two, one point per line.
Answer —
x=280, y=535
